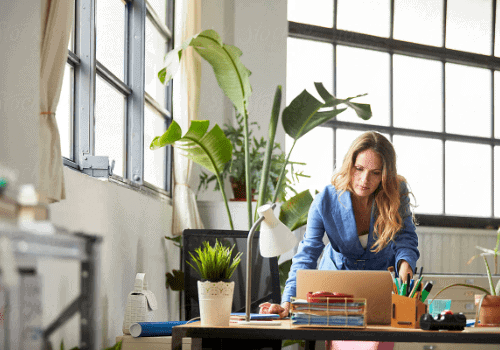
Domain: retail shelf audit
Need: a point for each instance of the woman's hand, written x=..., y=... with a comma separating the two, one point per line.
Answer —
x=268, y=308
x=404, y=270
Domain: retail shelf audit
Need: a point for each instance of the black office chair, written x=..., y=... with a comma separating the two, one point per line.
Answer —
x=265, y=281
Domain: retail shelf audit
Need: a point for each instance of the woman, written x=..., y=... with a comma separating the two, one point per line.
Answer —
x=366, y=215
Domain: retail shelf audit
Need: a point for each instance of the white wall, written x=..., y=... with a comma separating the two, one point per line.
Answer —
x=19, y=80
x=259, y=28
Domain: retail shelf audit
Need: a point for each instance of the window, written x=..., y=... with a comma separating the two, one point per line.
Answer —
x=430, y=69
x=112, y=103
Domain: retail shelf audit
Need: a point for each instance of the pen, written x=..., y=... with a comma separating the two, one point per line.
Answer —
x=421, y=270
x=426, y=291
x=415, y=288
x=408, y=283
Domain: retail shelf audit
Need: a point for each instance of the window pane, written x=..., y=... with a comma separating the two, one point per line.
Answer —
x=155, y=51
x=468, y=26
x=418, y=93
x=319, y=166
x=468, y=98
x=63, y=113
x=364, y=16
x=497, y=105
x=308, y=62
x=344, y=139
x=160, y=7
x=110, y=125
x=420, y=161
x=497, y=32
x=497, y=181
x=154, y=161
x=362, y=71
x=110, y=35
x=427, y=16
x=316, y=12
x=468, y=179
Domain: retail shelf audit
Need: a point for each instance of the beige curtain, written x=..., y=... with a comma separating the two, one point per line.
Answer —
x=57, y=18
x=186, y=97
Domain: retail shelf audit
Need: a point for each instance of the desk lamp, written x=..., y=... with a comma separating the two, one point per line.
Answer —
x=275, y=239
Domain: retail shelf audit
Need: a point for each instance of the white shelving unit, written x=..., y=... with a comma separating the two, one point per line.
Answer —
x=65, y=246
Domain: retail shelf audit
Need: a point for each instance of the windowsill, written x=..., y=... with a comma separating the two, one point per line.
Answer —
x=145, y=189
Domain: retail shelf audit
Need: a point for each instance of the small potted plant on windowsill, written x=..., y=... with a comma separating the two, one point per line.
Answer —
x=488, y=304
x=215, y=265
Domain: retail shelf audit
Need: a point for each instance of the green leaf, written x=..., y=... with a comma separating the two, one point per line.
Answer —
x=176, y=240
x=303, y=113
x=232, y=76
x=284, y=270
x=210, y=150
x=175, y=280
x=289, y=342
x=293, y=213
x=488, y=272
x=461, y=285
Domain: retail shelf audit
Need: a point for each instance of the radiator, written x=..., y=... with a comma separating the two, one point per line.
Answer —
x=447, y=250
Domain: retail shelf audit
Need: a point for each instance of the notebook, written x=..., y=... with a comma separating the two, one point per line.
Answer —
x=375, y=286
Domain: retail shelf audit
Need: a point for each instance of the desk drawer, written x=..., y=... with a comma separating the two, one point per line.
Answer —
x=444, y=346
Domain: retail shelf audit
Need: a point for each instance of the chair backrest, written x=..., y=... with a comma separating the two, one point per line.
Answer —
x=265, y=273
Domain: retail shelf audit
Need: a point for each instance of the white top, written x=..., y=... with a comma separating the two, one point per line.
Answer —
x=363, y=240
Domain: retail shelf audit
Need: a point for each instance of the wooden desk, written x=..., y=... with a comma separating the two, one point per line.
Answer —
x=370, y=333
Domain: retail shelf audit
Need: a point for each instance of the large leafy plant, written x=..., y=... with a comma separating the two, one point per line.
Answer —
x=215, y=263
x=212, y=150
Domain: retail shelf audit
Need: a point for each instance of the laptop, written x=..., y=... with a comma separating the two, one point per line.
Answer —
x=375, y=286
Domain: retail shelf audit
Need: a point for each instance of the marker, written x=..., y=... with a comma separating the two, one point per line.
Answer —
x=403, y=289
x=426, y=291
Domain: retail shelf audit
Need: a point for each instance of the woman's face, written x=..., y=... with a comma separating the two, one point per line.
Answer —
x=366, y=173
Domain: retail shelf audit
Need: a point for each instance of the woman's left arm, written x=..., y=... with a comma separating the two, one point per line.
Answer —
x=406, y=240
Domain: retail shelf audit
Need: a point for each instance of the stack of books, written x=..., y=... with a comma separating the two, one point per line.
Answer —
x=350, y=312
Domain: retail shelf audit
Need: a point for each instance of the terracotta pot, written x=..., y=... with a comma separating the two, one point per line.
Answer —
x=239, y=190
x=489, y=315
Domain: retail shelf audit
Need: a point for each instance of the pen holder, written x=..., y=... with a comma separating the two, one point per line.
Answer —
x=406, y=311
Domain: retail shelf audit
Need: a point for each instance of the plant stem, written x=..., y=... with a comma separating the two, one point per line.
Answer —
x=271, y=134
x=492, y=288
x=282, y=174
x=247, y=168
x=223, y=192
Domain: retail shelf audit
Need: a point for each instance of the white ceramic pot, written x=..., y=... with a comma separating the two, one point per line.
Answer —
x=216, y=299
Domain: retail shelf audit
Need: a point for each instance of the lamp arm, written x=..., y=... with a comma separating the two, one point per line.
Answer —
x=249, y=266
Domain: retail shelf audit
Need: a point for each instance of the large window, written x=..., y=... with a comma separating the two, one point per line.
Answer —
x=430, y=69
x=112, y=103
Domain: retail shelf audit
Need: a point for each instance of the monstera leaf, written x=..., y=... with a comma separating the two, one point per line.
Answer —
x=303, y=114
x=210, y=149
x=231, y=74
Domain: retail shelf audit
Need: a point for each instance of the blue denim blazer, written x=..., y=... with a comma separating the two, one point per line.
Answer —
x=332, y=214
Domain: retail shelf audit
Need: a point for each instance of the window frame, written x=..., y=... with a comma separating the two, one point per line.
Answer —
x=442, y=54
x=83, y=90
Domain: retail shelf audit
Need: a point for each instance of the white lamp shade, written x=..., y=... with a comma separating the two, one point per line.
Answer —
x=275, y=238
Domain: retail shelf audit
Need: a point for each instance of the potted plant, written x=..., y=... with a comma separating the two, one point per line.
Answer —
x=212, y=150
x=488, y=304
x=235, y=169
x=215, y=265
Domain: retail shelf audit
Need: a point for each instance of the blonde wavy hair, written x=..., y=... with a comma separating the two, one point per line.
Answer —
x=387, y=196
